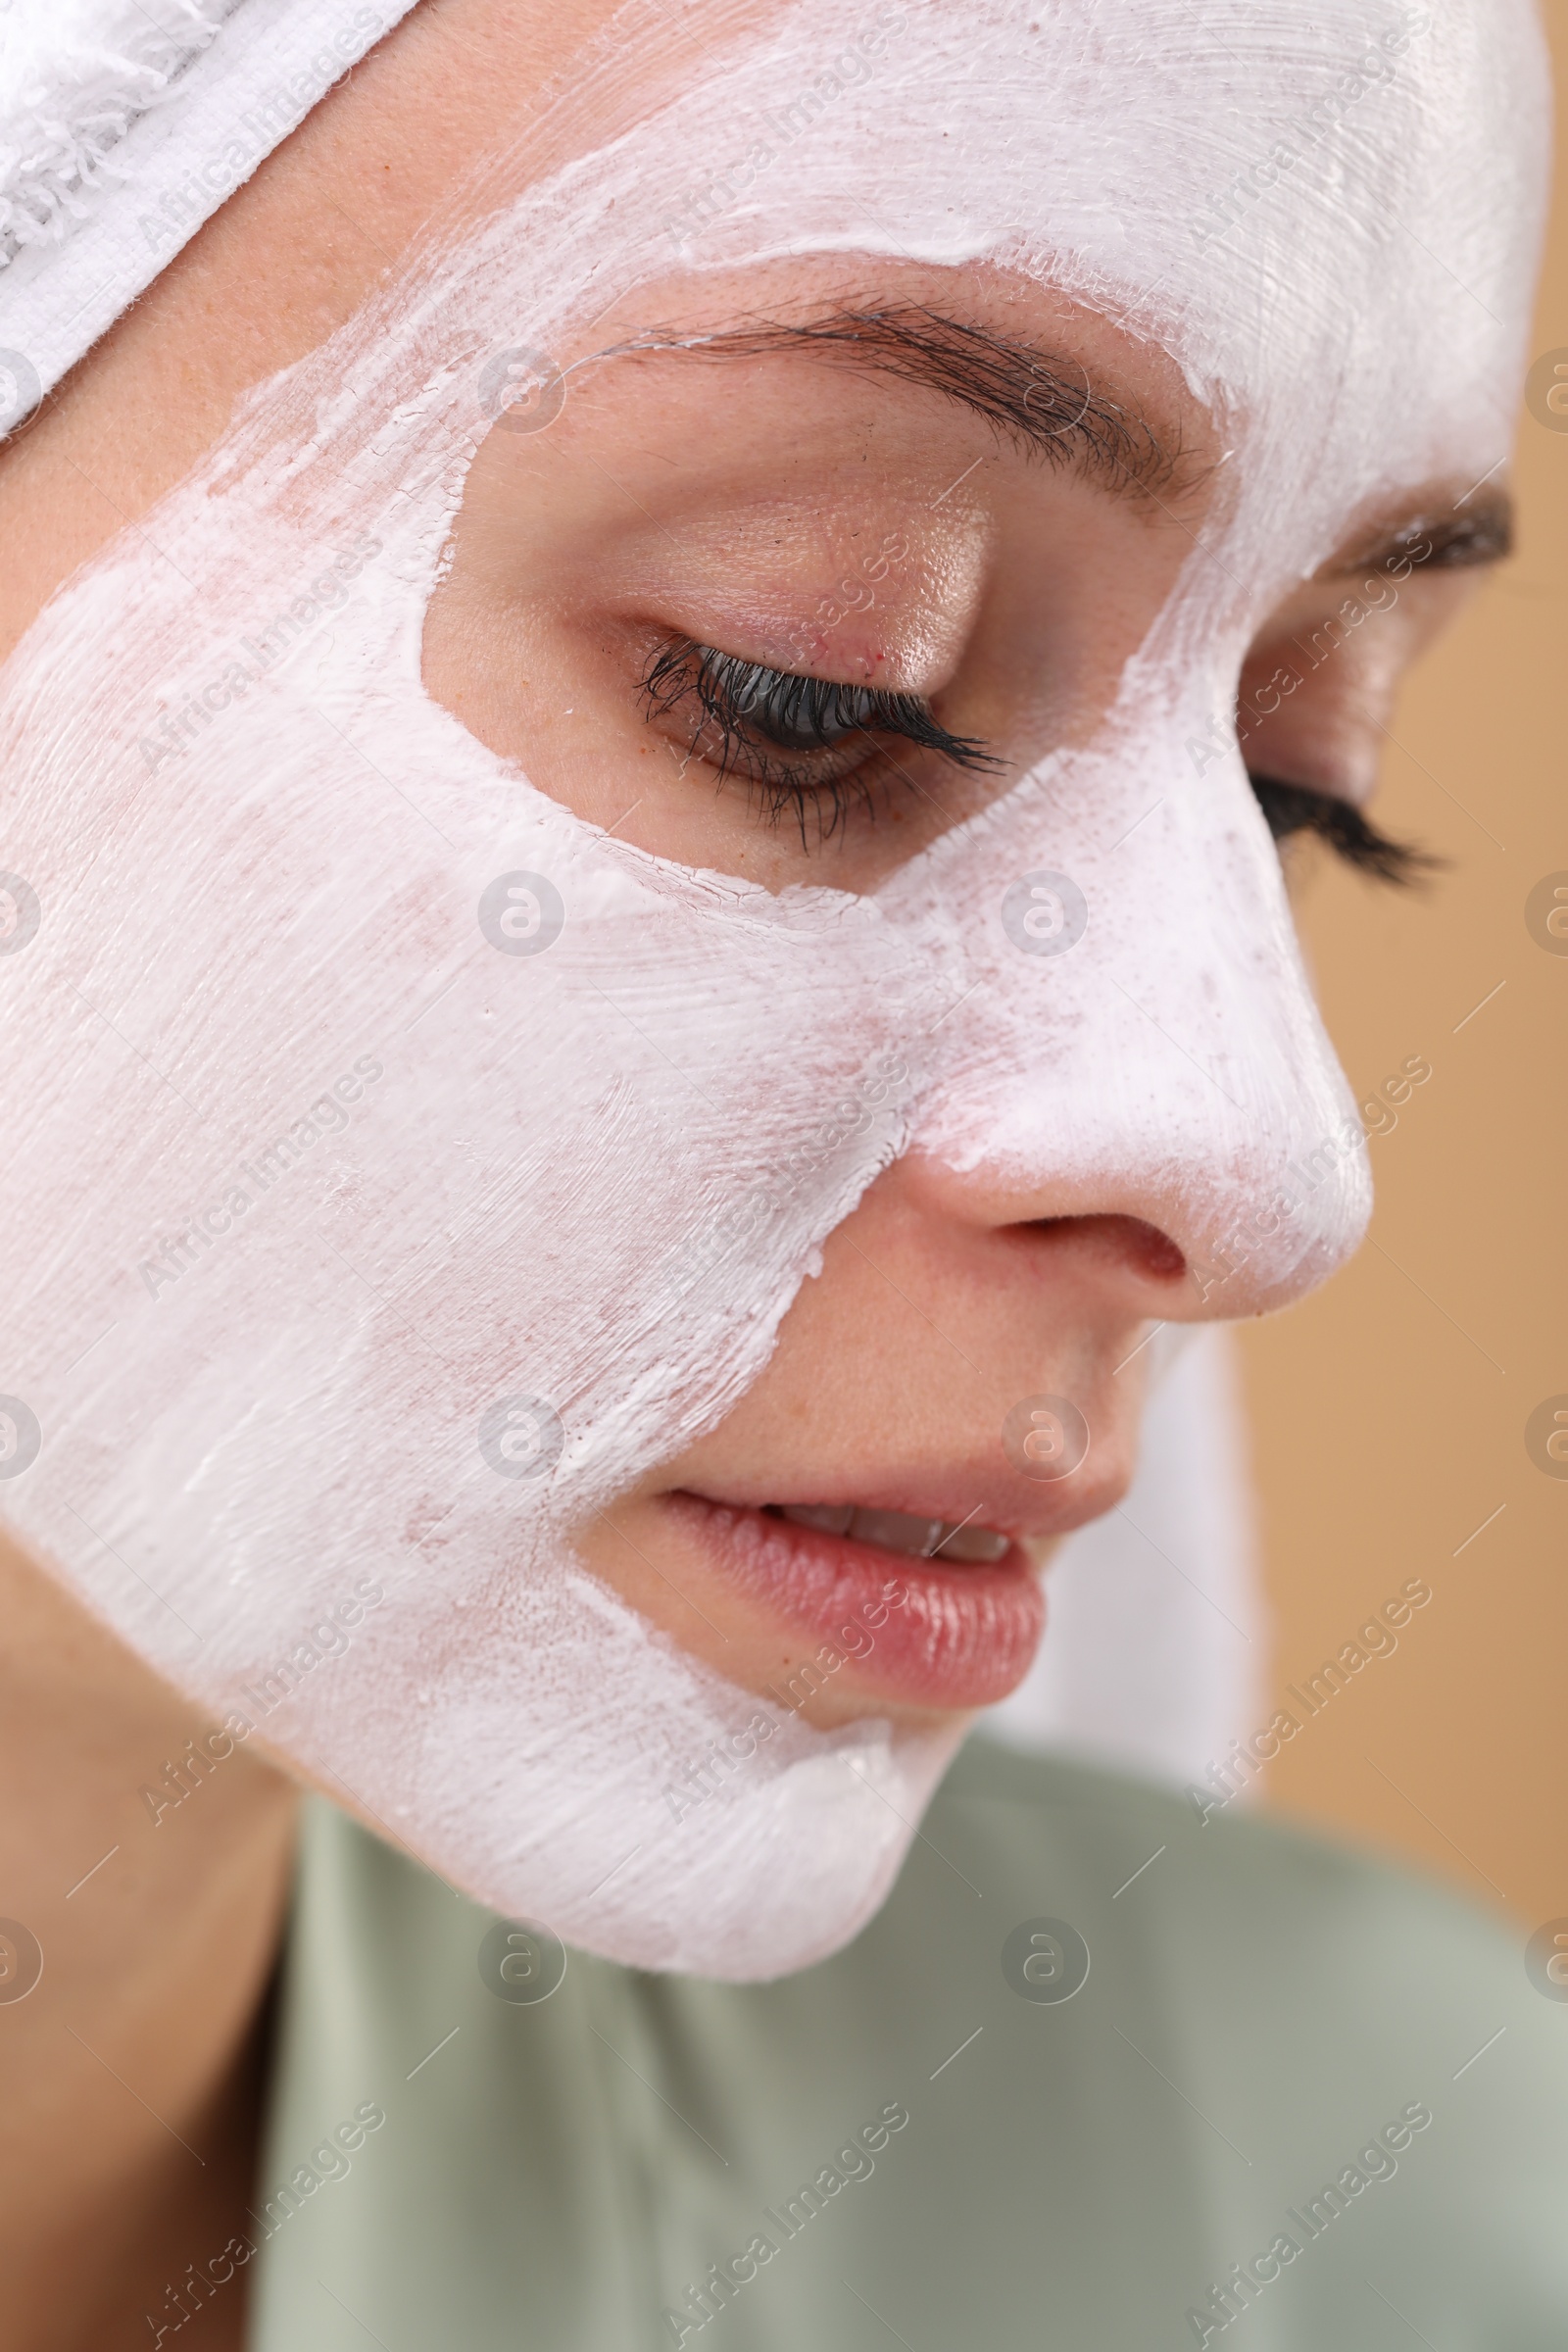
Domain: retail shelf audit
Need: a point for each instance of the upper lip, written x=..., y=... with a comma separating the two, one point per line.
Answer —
x=1049, y=1509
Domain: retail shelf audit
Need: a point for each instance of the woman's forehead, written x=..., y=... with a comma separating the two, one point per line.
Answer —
x=1326, y=218
x=1248, y=189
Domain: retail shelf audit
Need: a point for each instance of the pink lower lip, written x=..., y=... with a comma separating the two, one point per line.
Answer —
x=960, y=1638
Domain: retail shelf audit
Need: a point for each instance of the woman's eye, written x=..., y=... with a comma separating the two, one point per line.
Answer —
x=806, y=745
x=1291, y=809
x=817, y=747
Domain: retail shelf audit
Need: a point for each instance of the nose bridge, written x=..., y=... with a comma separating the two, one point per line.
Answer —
x=1138, y=1034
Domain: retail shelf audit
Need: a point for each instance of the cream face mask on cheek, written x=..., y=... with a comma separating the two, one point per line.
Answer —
x=397, y=1162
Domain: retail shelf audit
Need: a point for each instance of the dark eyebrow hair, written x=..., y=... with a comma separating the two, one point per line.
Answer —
x=1444, y=536
x=1026, y=393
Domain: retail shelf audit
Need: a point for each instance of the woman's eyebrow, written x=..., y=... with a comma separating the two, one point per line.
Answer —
x=1040, y=397
x=1439, y=535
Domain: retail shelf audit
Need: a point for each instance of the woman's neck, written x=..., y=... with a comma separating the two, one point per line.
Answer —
x=134, y=2067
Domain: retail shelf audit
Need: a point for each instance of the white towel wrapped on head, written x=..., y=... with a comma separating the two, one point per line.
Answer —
x=123, y=126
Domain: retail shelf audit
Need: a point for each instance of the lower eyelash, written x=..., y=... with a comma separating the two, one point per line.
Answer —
x=829, y=805
x=1297, y=808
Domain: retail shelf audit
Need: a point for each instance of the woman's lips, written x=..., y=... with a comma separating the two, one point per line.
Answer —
x=860, y=1596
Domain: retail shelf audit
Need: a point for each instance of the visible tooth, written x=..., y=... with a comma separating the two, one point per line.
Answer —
x=955, y=1542
x=895, y=1531
x=831, y=1518
x=970, y=1546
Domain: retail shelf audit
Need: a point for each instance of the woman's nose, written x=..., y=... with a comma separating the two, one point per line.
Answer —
x=1137, y=1038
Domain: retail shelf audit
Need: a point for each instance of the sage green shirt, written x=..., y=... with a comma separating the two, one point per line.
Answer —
x=1300, y=2098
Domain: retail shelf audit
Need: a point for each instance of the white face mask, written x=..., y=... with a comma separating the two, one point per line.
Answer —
x=330, y=1138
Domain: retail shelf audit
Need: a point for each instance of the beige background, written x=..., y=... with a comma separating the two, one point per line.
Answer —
x=1390, y=1408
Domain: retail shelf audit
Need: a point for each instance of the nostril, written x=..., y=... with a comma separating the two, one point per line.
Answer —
x=1156, y=1252
x=1130, y=1239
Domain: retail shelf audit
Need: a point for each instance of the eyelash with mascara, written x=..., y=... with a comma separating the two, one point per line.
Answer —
x=744, y=711
x=745, y=714
x=1291, y=809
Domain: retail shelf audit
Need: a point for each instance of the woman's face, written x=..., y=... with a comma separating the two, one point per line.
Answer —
x=954, y=487
x=750, y=849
